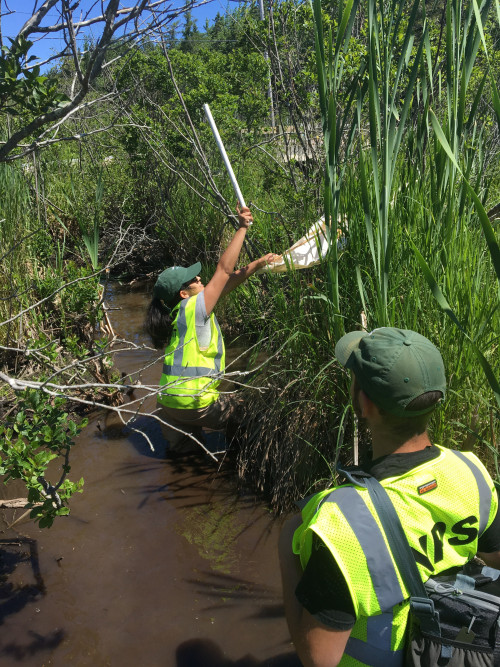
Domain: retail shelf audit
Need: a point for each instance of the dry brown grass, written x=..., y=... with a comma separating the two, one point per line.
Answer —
x=289, y=439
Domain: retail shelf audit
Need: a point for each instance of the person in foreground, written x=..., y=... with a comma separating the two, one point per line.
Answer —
x=181, y=317
x=343, y=601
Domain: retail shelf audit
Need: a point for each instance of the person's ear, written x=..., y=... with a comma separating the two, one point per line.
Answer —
x=183, y=294
x=368, y=407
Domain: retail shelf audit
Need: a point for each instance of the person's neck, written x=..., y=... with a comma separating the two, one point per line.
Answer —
x=384, y=443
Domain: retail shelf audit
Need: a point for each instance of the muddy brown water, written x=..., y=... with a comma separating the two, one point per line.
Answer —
x=161, y=563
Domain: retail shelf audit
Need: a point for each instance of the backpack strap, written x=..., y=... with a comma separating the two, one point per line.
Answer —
x=421, y=605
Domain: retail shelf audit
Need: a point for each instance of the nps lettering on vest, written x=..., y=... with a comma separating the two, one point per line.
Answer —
x=190, y=375
x=442, y=528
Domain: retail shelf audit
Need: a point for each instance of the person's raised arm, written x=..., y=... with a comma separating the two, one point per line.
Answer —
x=239, y=276
x=227, y=262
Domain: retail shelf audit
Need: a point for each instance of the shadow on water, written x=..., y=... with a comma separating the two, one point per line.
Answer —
x=191, y=472
x=14, y=554
x=39, y=643
x=206, y=653
x=19, y=563
x=229, y=588
x=117, y=431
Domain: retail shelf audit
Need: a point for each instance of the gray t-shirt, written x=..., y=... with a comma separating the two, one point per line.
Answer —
x=202, y=322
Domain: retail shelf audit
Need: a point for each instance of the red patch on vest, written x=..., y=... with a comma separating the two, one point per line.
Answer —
x=427, y=487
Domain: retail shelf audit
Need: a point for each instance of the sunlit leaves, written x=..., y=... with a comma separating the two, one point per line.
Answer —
x=40, y=432
x=22, y=88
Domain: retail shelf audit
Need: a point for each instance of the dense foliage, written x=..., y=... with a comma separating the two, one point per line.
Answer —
x=385, y=120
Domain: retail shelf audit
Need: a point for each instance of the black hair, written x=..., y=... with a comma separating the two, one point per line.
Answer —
x=425, y=401
x=158, y=323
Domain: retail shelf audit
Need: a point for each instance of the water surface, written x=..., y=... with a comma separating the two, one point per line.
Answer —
x=161, y=562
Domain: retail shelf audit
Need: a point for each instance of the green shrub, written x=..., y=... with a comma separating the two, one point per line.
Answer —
x=40, y=432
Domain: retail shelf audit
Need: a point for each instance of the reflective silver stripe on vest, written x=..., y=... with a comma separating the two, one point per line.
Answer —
x=376, y=650
x=197, y=309
x=220, y=345
x=189, y=371
x=177, y=369
x=484, y=491
x=378, y=630
x=182, y=330
x=360, y=519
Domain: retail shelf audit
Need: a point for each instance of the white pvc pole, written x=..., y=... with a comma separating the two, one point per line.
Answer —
x=230, y=171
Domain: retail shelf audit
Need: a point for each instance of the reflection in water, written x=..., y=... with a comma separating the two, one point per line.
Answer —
x=160, y=563
x=212, y=530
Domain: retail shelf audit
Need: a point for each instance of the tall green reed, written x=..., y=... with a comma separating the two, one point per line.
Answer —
x=18, y=230
x=15, y=204
x=459, y=139
x=381, y=93
x=336, y=104
x=90, y=233
x=393, y=66
x=88, y=225
x=416, y=178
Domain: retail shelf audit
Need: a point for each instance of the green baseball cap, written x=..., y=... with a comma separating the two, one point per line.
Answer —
x=171, y=280
x=393, y=366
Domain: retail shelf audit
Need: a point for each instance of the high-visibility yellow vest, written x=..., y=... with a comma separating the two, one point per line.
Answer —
x=444, y=506
x=190, y=375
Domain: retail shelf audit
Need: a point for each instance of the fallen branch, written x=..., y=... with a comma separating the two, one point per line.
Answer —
x=16, y=503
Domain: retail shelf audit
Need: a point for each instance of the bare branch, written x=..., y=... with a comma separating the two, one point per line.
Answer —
x=72, y=392
x=33, y=23
x=120, y=28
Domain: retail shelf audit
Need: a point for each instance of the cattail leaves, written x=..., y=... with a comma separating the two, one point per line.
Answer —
x=483, y=217
x=420, y=136
x=332, y=93
x=320, y=59
x=479, y=20
x=89, y=229
x=454, y=147
x=388, y=61
x=443, y=303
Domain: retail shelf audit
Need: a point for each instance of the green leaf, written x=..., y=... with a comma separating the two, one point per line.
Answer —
x=442, y=139
x=443, y=303
x=46, y=521
x=487, y=229
x=483, y=217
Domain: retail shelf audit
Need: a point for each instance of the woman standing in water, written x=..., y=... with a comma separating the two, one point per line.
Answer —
x=181, y=317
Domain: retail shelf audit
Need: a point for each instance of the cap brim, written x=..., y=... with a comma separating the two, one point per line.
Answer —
x=346, y=345
x=192, y=271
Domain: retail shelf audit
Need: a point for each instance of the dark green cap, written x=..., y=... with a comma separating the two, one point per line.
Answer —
x=393, y=367
x=171, y=280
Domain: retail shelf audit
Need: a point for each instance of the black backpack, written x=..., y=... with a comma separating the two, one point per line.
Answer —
x=454, y=620
x=466, y=631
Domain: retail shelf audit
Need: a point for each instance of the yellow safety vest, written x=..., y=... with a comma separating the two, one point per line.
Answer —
x=444, y=506
x=190, y=375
